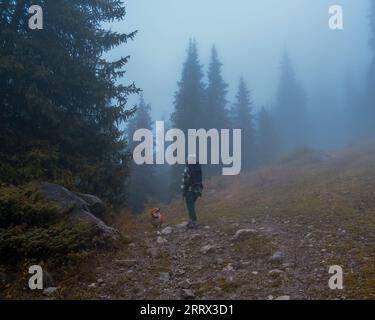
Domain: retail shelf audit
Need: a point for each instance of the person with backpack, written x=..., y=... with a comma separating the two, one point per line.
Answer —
x=192, y=188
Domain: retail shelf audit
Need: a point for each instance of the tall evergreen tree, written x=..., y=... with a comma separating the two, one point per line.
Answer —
x=216, y=113
x=291, y=109
x=61, y=104
x=141, y=182
x=243, y=119
x=189, y=103
x=189, y=98
x=267, y=138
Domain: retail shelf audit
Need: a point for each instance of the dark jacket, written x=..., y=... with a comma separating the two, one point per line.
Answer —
x=192, y=179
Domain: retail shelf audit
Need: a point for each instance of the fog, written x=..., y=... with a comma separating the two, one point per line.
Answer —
x=251, y=37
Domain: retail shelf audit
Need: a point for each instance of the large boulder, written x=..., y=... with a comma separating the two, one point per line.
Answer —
x=95, y=205
x=76, y=209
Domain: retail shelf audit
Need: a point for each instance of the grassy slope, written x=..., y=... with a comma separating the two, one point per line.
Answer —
x=318, y=209
x=334, y=195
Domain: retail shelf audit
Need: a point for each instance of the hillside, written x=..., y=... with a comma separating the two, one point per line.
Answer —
x=303, y=214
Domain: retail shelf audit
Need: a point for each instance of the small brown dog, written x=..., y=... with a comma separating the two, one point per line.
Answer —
x=157, y=217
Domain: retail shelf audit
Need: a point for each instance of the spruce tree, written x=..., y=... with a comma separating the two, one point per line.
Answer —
x=61, y=103
x=267, y=138
x=215, y=112
x=189, y=98
x=189, y=103
x=291, y=113
x=141, y=182
x=242, y=118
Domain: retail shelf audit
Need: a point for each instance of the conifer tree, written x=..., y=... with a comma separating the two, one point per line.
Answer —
x=267, y=138
x=291, y=114
x=189, y=98
x=61, y=103
x=216, y=113
x=243, y=119
x=189, y=103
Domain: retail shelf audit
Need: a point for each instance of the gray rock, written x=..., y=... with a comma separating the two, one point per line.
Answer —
x=92, y=286
x=186, y=284
x=278, y=256
x=182, y=225
x=195, y=236
x=207, y=249
x=244, y=234
x=276, y=272
x=95, y=205
x=228, y=268
x=166, y=231
x=187, y=294
x=49, y=291
x=283, y=298
x=164, y=276
x=75, y=210
x=161, y=240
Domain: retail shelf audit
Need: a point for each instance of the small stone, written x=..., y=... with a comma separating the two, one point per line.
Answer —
x=207, y=227
x=166, y=231
x=283, y=298
x=49, y=291
x=164, y=276
x=278, y=256
x=92, y=285
x=100, y=280
x=270, y=297
x=255, y=272
x=187, y=294
x=161, y=240
x=182, y=225
x=228, y=268
x=244, y=234
x=186, y=284
x=180, y=272
x=195, y=236
x=207, y=249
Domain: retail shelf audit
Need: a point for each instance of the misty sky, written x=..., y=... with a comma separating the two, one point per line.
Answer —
x=250, y=36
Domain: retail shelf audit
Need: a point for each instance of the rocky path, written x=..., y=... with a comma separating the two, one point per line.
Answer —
x=266, y=259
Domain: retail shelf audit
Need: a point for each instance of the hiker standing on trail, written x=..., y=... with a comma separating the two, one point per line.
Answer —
x=192, y=188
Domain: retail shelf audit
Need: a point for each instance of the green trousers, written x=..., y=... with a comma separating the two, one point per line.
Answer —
x=191, y=198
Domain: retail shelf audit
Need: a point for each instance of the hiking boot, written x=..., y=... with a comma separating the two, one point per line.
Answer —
x=192, y=225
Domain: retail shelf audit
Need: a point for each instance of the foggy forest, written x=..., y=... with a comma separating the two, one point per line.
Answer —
x=79, y=79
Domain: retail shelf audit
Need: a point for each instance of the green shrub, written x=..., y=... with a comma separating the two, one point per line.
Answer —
x=24, y=206
x=30, y=228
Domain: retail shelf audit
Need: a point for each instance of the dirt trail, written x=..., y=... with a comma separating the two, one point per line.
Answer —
x=271, y=259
